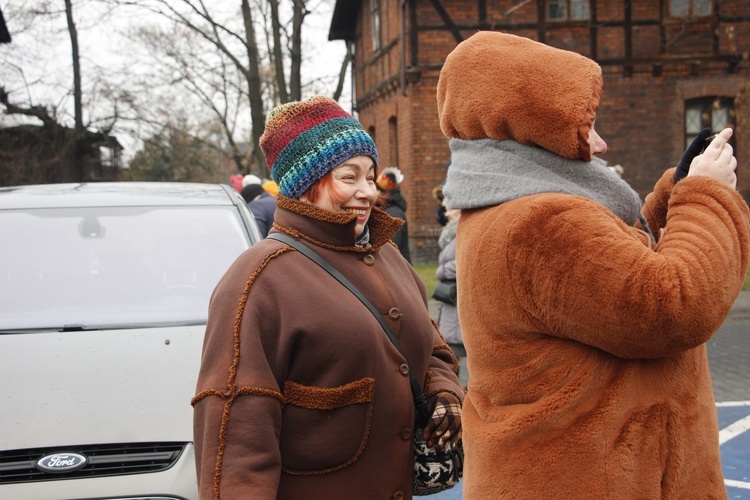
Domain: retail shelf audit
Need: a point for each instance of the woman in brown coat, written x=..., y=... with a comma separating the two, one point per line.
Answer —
x=301, y=394
x=586, y=336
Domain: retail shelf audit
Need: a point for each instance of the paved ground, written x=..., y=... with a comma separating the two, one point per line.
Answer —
x=729, y=360
x=729, y=354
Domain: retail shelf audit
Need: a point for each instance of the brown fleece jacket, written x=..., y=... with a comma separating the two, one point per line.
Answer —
x=301, y=394
x=586, y=341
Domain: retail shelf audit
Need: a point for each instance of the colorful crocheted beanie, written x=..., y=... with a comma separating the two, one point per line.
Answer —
x=305, y=140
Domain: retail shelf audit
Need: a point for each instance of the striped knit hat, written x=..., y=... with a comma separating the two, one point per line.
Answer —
x=305, y=140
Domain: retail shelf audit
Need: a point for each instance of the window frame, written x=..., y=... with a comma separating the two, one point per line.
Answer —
x=375, y=24
x=393, y=140
x=706, y=106
x=690, y=4
x=567, y=8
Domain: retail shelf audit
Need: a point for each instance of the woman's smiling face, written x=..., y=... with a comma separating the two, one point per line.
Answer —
x=351, y=189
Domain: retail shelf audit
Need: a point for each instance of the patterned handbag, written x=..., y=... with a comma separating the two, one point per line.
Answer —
x=434, y=470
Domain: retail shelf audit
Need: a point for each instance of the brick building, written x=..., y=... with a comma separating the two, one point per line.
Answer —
x=671, y=67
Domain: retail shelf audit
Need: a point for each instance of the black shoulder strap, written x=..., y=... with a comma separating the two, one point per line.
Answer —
x=419, y=398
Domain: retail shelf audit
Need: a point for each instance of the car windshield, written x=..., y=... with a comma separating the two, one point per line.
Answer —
x=119, y=267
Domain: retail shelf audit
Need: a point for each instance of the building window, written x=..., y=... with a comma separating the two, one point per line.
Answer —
x=393, y=140
x=568, y=10
x=714, y=112
x=375, y=16
x=689, y=8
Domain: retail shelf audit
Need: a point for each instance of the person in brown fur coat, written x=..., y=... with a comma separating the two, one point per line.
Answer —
x=586, y=334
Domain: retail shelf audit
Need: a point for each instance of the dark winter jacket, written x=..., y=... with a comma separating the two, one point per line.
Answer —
x=301, y=394
x=395, y=206
x=263, y=209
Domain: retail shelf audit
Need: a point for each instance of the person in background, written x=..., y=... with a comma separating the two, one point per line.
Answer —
x=617, y=169
x=446, y=271
x=236, y=182
x=251, y=192
x=251, y=179
x=437, y=195
x=261, y=204
x=388, y=183
x=585, y=315
x=271, y=187
x=301, y=393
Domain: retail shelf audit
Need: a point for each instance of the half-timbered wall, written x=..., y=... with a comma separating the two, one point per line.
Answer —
x=654, y=65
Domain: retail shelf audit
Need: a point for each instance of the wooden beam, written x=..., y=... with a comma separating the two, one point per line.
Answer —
x=402, y=51
x=662, y=29
x=628, y=15
x=541, y=21
x=447, y=20
x=413, y=33
x=593, y=32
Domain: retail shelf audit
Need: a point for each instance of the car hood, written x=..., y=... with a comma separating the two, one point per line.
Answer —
x=89, y=387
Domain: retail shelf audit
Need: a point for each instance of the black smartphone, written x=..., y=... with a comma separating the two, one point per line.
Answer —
x=707, y=141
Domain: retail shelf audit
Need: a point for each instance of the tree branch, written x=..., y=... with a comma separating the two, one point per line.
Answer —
x=39, y=112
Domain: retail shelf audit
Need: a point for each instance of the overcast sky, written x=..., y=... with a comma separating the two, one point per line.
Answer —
x=104, y=45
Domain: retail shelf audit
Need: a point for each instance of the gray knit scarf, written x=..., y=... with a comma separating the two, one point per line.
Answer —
x=488, y=172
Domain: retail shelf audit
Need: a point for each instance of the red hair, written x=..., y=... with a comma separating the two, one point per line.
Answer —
x=326, y=183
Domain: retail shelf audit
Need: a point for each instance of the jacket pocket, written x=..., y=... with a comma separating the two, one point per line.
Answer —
x=325, y=429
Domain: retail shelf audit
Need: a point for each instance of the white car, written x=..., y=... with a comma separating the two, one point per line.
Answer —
x=104, y=291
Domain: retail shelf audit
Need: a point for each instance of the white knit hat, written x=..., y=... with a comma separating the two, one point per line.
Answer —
x=251, y=179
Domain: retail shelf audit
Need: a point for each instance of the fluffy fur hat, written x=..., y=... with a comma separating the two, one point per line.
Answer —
x=389, y=179
x=305, y=140
x=500, y=86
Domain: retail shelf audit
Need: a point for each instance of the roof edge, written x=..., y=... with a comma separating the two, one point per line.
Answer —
x=344, y=20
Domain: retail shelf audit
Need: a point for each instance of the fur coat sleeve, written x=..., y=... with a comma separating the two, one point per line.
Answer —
x=585, y=260
x=586, y=343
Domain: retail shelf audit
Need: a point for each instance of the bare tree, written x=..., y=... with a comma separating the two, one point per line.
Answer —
x=252, y=74
x=194, y=70
x=298, y=17
x=288, y=47
x=175, y=153
x=222, y=74
x=236, y=43
x=278, y=58
x=77, y=93
x=52, y=152
x=342, y=72
x=239, y=46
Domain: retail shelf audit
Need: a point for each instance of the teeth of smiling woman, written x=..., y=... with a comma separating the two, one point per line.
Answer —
x=356, y=211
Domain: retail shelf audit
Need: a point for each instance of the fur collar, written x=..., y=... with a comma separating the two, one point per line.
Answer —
x=331, y=229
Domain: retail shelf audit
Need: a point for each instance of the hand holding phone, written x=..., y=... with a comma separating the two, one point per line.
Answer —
x=707, y=142
x=697, y=146
x=717, y=161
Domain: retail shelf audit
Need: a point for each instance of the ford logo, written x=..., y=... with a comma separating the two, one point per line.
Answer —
x=61, y=462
